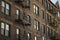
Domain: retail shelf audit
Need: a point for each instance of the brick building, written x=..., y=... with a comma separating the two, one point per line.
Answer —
x=28, y=20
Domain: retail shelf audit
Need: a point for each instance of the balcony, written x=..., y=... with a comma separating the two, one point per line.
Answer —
x=18, y=1
x=59, y=18
x=26, y=19
x=55, y=37
x=26, y=23
x=50, y=23
x=10, y=19
x=18, y=21
x=52, y=37
x=49, y=10
x=53, y=24
x=26, y=5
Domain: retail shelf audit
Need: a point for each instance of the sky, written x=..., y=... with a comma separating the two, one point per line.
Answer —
x=54, y=1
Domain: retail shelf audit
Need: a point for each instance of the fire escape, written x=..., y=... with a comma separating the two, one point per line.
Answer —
x=25, y=4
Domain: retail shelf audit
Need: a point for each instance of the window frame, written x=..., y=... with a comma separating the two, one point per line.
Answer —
x=36, y=9
x=5, y=10
x=17, y=14
x=5, y=31
x=36, y=25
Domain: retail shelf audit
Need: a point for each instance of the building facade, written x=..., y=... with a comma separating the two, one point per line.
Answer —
x=28, y=20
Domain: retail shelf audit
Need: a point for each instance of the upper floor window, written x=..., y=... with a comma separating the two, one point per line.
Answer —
x=58, y=14
x=44, y=29
x=17, y=31
x=17, y=34
x=43, y=38
x=36, y=10
x=40, y=1
x=49, y=7
x=44, y=14
x=29, y=36
x=36, y=25
x=49, y=19
x=2, y=28
x=5, y=29
x=28, y=18
x=17, y=14
x=5, y=8
x=35, y=38
x=47, y=31
x=28, y=2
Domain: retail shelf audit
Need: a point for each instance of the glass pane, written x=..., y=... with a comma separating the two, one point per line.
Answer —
x=2, y=25
x=17, y=31
x=7, y=27
x=43, y=38
x=17, y=12
x=28, y=18
x=2, y=31
x=58, y=14
x=37, y=24
x=2, y=9
x=28, y=2
x=7, y=12
x=34, y=24
x=6, y=32
x=3, y=4
x=34, y=8
x=35, y=38
x=7, y=6
x=28, y=35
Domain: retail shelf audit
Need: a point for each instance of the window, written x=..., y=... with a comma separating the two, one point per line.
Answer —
x=17, y=31
x=46, y=17
x=49, y=7
x=5, y=8
x=43, y=38
x=4, y=29
x=49, y=19
x=24, y=16
x=47, y=31
x=17, y=14
x=43, y=29
x=29, y=36
x=58, y=14
x=36, y=25
x=46, y=5
x=35, y=38
x=28, y=18
x=36, y=10
x=51, y=33
x=44, y=14
x=28, y=2
x=40, y=1
x=18, y=34
x=43, y=2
